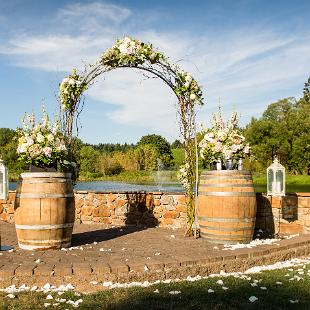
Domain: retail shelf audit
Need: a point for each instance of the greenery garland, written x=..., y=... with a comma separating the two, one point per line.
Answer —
x=131, y=53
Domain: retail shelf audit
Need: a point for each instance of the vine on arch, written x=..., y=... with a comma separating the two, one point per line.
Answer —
x=131, y=53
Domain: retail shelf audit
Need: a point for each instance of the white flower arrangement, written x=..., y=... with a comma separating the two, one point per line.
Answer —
x=41, y=144
x=183, y=176
x=70, y=90
x=223, y=141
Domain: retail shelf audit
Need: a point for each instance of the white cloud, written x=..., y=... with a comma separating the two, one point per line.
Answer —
x=245, y=68
x=95, y=11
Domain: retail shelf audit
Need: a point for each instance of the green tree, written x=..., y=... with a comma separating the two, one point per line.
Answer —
x=177, y=144
x=162, y=146
x=6, y=135
x=283, y=130
x=89, y=160
x=148, y=154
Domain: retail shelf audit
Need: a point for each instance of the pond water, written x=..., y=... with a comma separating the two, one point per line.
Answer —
x=153, y=187
x=122, y=187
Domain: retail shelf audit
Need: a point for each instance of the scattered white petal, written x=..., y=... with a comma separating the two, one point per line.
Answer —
x=250, y=245
x=157, y=254
x=146, y=268
x=46, y=304
x=172, y=236
x=10, y=296
x=38, y=260
x=156, y=291
x=123, y=249
x=101, y=250
x=215, y=248
x=220, y=282
x=224, y=288
x=263, y=288
x=93, y=282
x=254, y=284
x=294, y=301
x=49, y=297
x=210, y=291
x=175, y=292
x=95, y=242
x=279, y=283
x=253, y=298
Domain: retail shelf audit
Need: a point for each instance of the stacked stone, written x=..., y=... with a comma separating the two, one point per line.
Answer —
x=7, y=208
x=131, y=208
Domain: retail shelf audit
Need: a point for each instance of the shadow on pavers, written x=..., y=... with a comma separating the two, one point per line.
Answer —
x=103, y=234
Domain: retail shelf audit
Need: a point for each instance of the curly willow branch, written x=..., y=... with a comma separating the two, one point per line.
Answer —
x=130, y=53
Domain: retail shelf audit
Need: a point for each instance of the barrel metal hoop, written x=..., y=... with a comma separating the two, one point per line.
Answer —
x=49, y=241
x=230, y=237
x=227, y=228
x=228, y=194
x=226, y=185
x=226, y=172
x=227, y=220
x=47, y=180
x=43, y=227
x=42, y=195
x=30, y=175
x=43, y=247
x=220, y=177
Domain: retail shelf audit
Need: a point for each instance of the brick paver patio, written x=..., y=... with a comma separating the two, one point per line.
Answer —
x=126, y=254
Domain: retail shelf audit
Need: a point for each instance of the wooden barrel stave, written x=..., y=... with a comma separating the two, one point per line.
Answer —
x=44, y=211
x=227, y=206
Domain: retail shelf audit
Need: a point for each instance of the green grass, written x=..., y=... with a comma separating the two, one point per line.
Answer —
x=194, y=295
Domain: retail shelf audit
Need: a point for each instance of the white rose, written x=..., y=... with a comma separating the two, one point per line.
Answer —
x=192, y=97
x=188, y=78
x=29, y=141
x=40, y=137
x=50, y=137
x=72, y=81
x=47, y=151
x=22, y=148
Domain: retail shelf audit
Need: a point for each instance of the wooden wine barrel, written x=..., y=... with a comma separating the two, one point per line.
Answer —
x=226, y=206
x=44, y=210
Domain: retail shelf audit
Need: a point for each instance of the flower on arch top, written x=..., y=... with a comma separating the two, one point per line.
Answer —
x=129, y=51
x=70, y=90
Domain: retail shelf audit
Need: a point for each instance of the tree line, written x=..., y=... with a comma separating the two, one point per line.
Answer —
x=283, y=130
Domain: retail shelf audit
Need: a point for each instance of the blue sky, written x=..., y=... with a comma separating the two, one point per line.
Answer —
x=245, y=54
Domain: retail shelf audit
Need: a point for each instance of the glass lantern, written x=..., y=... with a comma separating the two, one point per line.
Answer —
x=4, y=181
x=276, y=179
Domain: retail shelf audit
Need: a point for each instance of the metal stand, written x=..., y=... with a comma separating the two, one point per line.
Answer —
x=5, y=248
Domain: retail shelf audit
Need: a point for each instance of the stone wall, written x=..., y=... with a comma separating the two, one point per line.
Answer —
x=149, y=209
x=125, y=208
x=275, y=215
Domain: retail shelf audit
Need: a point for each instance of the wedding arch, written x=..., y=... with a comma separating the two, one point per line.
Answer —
x=131, y=53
